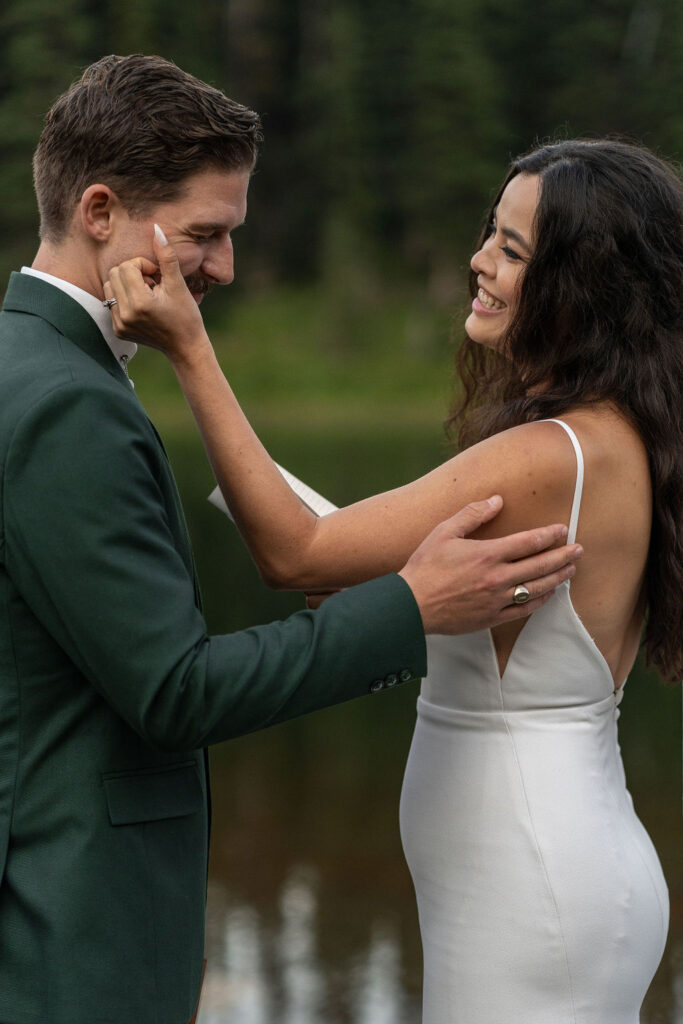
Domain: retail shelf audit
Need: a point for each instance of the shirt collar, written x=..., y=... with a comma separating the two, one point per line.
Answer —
x=123, y=350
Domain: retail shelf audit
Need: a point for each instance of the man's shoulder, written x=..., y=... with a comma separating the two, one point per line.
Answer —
x=38, y=361
x=73, y=429
x=40, y=323
x=26, y=338
x=50, y=387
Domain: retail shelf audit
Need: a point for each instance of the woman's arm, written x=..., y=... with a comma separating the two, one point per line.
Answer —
x=293, y=548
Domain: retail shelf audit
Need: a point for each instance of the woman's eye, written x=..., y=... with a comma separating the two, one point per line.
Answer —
x=510, y=253
x=490, y=229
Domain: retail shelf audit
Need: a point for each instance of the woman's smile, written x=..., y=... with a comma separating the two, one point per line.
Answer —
x=485, y=303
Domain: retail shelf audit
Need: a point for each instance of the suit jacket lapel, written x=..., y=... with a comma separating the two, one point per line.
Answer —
x=31, y=295
x=27, y=294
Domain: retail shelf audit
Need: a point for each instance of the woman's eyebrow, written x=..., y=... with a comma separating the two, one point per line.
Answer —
x=510, y=232
x=515, y=236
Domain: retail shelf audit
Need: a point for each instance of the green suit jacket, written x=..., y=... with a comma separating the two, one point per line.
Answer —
x=110, y=687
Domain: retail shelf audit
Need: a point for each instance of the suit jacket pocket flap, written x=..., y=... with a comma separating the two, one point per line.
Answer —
x=153, y=794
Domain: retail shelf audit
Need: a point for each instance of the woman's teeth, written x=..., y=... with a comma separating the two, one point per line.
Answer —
x=489, y=301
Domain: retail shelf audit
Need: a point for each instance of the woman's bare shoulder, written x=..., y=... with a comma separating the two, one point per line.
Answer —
x=533, y=467
x=604, y=422
x=543, y=446
x=536, y=464
x=615, y=454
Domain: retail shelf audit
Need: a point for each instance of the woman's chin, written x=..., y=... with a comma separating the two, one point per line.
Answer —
x=482, y=333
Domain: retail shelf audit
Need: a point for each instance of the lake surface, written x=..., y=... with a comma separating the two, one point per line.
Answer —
x=311, y=914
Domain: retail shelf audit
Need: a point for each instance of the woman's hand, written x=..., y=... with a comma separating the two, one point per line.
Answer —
x=153, y=303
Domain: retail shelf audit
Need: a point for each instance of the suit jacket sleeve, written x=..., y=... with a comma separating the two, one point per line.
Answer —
x=91, y=546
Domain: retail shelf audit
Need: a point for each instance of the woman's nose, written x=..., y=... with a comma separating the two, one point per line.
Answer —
x=483, y=263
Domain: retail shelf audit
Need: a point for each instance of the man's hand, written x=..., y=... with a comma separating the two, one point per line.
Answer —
x=465, y=585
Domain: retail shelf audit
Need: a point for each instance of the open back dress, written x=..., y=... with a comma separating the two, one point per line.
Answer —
x=540, y=895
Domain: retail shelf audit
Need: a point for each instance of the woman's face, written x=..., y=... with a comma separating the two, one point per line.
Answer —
x=499, y=264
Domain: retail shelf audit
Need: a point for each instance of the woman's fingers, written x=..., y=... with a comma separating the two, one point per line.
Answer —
x=169, y=264
x=143, y=311
x=153, y=304
x=132, y=295
x=117, y=295
x=142, y=265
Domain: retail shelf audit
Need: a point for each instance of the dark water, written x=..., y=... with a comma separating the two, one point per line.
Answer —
x=311, y=918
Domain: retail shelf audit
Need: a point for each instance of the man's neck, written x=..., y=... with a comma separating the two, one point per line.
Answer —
x=70, y=263
x=82, y=283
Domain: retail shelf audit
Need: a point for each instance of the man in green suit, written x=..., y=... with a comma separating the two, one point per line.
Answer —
x=110, y=688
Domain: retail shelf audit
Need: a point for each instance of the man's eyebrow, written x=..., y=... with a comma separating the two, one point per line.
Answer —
x=208, y=227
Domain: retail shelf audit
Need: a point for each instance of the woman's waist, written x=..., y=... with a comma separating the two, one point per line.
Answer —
x=547, y=759
x=501, y=711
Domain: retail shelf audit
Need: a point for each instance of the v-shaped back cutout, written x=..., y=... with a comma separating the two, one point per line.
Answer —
x=571, y=538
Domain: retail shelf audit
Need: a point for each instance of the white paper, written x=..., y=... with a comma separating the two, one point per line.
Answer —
x=321, y=506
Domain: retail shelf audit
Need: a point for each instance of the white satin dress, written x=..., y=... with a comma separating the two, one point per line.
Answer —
x=540, y=895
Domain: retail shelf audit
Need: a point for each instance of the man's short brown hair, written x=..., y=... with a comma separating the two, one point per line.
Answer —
x=141, y=126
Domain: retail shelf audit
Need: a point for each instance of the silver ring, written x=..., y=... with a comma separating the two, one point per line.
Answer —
x=520, y=595
x=108, y=303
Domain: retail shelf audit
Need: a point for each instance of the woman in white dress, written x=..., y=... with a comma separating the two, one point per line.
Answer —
x=540, y=896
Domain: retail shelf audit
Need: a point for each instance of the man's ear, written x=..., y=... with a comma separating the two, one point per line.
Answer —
x=97, y=206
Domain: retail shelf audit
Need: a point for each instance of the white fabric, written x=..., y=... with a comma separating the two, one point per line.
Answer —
x=578, y=488
x=123, y=350
x=541, y=898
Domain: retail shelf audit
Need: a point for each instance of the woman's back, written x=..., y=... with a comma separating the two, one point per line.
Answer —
x=614, y=526
x=616, y=515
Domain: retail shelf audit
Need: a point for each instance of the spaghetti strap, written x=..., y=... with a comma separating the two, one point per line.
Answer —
x=578, y=490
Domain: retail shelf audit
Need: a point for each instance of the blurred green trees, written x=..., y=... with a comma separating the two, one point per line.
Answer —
x=388, y=122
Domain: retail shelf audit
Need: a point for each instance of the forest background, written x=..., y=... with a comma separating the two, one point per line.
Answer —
x=388, y=124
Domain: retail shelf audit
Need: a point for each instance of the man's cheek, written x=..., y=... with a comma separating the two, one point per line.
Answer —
x=189, y=258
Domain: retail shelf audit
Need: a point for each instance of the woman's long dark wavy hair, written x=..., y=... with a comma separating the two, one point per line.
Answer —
x=599, y=319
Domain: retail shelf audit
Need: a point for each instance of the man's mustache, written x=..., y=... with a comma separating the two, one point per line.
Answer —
x=198, y=284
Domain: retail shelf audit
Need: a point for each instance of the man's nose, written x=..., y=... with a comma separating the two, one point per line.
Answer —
x=219, y=263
